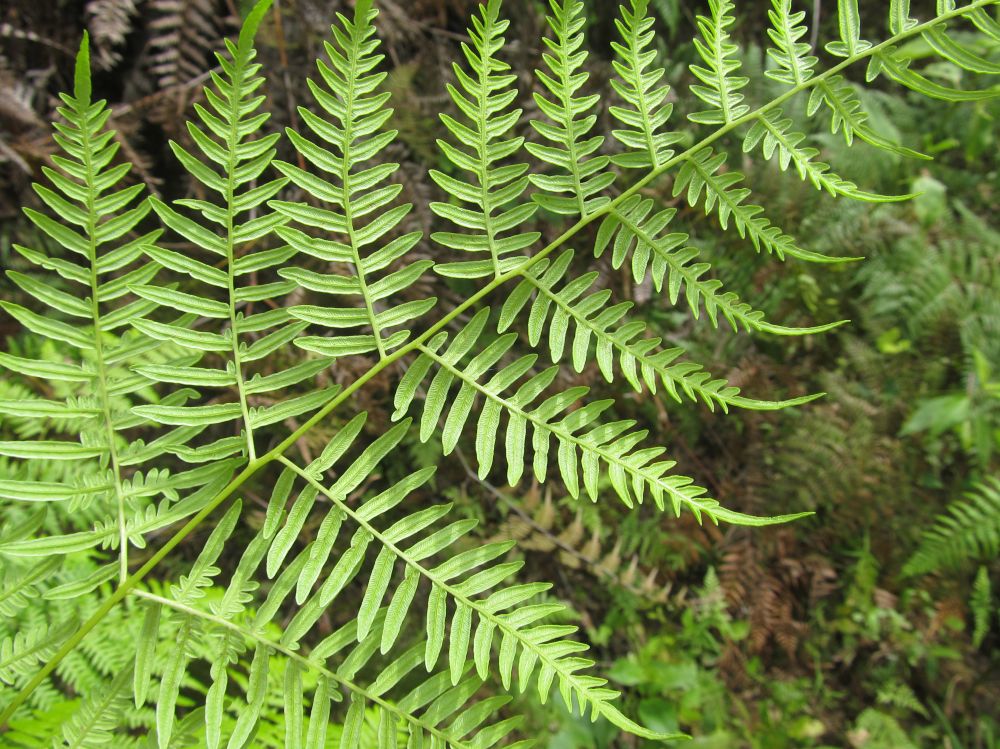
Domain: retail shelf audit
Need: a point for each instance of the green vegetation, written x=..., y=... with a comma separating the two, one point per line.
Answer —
x=548, y=428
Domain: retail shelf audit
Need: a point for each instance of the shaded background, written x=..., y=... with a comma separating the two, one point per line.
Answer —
x=827, y=633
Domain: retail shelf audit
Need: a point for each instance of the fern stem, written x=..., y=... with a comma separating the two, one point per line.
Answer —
x=296, y=656
x=276, y=453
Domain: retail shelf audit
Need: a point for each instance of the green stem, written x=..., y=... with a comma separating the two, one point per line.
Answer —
x=253, y=466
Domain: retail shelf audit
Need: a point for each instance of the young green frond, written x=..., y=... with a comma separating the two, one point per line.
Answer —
x=359, y=203
x=575, y=188
x=647, y=109
x=483, y=151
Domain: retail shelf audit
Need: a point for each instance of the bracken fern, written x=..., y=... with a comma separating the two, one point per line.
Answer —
x=178, y=366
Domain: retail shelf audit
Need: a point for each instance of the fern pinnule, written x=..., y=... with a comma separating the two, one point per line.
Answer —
x=354, y=188
x=484, y=98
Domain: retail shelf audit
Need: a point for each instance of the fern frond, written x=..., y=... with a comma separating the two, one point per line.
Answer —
x=951, y=50
x=899, y=69
x=970, y=530
x=384, y=562
x=22, y=652
x=721, y=89
x=183, y=35
x=581, y=174
x=20, y=587
x=647, y=109
x=462, y=578
x=640, y=360
x=234, y=220
x=209, y=480
x=360, y=203
x=700, y=175
x=848, y=116
x=484, y=98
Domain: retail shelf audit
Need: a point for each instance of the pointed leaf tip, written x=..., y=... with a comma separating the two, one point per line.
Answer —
x=81, y=75
x=250, y=25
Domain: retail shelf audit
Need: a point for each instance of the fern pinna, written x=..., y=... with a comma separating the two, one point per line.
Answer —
x=175, y=366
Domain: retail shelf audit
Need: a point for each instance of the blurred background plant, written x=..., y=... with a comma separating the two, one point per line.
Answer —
x=873, y=625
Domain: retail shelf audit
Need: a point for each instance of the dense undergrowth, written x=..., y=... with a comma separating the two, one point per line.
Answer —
x=871, y=624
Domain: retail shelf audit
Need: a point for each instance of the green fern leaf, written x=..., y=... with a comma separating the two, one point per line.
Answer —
x=354, y=190
x=484, y=98
x=647, y=110
x=98, y=233
x=721, y=89
x=580, y=173
x=226, y=142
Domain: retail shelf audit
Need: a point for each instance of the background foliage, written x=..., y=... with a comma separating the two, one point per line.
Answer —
x=853, y=628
